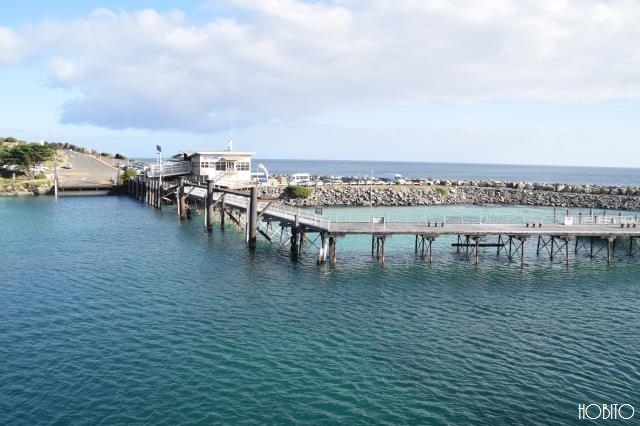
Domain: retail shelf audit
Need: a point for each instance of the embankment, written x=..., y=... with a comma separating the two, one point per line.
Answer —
x=20, y=188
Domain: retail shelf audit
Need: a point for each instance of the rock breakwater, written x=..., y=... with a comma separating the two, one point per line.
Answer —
x=448, y=192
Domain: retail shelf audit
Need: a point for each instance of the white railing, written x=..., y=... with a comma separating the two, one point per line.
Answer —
x=488, y=219
x=602, y=220
x=169, y=169
x=304, y=215
x=547, y=219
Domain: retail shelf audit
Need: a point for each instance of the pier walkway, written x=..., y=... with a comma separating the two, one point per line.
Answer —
x=510, y=237
x=596, y=235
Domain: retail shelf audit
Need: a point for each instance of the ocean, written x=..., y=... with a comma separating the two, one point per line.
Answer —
x=617, y=176
x=113, y=312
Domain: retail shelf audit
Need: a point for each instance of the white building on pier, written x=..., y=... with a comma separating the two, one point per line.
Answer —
x=231, y=169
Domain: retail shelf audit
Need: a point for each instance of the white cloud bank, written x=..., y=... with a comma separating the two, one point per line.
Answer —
x=286, y=60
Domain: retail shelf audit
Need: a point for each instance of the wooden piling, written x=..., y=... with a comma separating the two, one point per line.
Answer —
x=253, y=217
x=477, y=240
x=209, y=206
x=182, y=200
x=323, y=248
x=609, y=248
x=294, y=237
x=333, y=249
x=222, y=211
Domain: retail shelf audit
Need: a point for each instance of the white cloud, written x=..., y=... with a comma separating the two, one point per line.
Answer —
x=287, y=59
x=65, y=72
x=12, y=47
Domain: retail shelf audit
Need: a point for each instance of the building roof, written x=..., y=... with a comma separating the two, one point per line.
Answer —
x=221, y=154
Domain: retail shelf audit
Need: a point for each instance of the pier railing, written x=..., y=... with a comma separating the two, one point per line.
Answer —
x=489, y=219
x=169, y=169
x=544, y=219
x=309, y=216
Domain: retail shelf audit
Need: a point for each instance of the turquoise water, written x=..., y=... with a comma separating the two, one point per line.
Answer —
x=113, y=312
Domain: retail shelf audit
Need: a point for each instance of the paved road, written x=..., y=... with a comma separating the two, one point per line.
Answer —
x=86, y=171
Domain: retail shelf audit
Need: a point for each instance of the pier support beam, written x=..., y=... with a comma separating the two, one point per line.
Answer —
x=294, y=237
x=332, y=249
x=421, y=246
x=209, y=207
x=477, y=241
x=324, y=241
x=380, y=240
x=373, y=244
x=222, y=211
x=252, y=218
x=182, y=200
x=610, y=248
x=160, y=194
x=515, y=248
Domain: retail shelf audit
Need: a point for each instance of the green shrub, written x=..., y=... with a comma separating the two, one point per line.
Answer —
x=442, y=190
x=297, y=191
x=41, y=176
x=128, y=174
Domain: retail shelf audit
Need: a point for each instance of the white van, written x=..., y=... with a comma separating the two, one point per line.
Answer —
x=393, y=178
x=302, y=179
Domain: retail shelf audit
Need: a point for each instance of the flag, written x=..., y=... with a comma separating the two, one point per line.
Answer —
x=158, y=148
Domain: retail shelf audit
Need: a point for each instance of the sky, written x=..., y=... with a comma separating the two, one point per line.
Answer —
x=552, y=82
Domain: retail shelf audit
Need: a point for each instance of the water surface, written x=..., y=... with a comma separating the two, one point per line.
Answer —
x=113, y=312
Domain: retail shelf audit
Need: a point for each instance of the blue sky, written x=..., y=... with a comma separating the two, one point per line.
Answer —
x=499, y=81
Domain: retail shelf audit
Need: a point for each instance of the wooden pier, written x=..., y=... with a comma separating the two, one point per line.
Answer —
x=296, y=227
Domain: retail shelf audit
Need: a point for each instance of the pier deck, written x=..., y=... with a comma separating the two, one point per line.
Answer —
x=481, y=230
x=317, y=223
x=593, y=234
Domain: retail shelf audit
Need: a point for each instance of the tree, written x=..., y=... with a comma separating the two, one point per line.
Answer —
x=26, y=155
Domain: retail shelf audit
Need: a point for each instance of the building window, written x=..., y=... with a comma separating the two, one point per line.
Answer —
x=221, y=165
x=204, y=164
x=243, y=166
